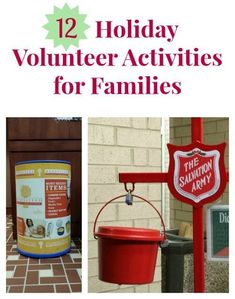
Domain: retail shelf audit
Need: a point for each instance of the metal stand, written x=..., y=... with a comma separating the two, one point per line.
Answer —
x=198, y=221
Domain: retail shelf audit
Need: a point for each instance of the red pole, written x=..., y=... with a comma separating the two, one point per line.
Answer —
x=198, y=222
x=198, y=250
x=197, y=129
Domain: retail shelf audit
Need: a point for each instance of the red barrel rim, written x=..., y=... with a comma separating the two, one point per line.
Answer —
x=129, y=233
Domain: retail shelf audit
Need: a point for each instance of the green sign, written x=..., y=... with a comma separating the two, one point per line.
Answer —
x=218, y=233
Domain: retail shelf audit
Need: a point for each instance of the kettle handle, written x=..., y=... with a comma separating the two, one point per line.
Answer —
x=137, y=196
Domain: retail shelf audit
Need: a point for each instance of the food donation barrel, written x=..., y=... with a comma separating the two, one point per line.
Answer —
x=43, y=207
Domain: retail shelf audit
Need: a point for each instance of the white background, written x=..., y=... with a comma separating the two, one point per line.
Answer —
x=206, y=91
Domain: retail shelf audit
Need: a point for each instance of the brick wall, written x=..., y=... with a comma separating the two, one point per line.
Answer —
x=216, y=130
x=122, y=145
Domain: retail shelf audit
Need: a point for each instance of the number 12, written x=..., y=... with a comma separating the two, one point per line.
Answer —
x=72, y=24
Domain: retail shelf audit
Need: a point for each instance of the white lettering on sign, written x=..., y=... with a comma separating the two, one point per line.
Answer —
x=200, y=176
x=56, y=171
x=56, y=186
x=223, y=217
x=191, y=164
x=25, y=172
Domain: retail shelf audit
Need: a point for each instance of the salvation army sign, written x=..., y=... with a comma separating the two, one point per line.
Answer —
x=197, y=172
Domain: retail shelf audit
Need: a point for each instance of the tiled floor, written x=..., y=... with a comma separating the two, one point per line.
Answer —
x=28, y=275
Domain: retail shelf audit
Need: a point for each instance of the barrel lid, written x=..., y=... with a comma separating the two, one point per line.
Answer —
x=129, y=233
x=43, y=161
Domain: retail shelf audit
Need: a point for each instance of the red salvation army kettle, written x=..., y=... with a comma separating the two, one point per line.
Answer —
x=127, y=255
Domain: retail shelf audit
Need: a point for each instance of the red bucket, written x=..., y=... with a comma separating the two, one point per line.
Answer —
x=127, y=255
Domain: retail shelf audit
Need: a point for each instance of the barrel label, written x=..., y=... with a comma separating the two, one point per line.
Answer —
x=43, y=207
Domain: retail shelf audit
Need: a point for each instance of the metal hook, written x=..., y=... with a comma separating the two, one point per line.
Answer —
x=129, y=190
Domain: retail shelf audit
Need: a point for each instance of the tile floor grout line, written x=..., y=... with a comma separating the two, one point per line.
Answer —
x=26, y=272
x=66, y=275
x=15, y=271
x=51, y=264
x=9, y=237
x=36, y=285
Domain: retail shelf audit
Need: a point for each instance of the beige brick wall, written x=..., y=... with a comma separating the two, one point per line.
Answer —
x=216, y=130
x=122, y=145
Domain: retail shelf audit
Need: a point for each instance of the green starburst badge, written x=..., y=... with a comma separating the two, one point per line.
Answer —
x=66, y=26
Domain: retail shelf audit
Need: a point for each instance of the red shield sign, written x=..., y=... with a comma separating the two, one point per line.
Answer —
x=197, y=172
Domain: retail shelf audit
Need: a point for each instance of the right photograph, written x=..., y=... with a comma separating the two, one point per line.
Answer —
x=158, y=205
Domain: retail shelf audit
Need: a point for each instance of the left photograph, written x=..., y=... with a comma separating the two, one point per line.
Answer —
x=44, y=205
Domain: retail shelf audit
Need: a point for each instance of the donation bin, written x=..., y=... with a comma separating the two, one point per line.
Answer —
x=43, y=207
x=177, y=267
x=127, y=255
x=173, y=261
